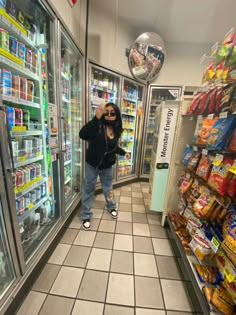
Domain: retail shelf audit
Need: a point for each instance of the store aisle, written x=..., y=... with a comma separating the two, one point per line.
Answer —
x=122, y=267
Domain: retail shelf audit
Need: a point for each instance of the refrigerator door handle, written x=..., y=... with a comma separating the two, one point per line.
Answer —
x=64, y=129
x=9, y=167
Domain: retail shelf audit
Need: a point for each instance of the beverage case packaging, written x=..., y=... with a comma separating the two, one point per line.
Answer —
x=23, y=88
x=16, y=85
x=6, y=82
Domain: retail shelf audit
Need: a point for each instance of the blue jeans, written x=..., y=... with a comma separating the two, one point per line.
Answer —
x=89, y=185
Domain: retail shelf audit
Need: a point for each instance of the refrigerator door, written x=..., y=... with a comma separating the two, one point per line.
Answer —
x=157, y=94
x=131, y=111
x=71, y=119
x=26, y=144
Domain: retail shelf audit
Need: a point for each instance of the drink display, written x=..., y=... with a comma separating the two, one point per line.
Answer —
x=72, y=118
x=157, y=95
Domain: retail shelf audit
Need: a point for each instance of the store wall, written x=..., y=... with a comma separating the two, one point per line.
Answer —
x=74, y=18
x=108, y=39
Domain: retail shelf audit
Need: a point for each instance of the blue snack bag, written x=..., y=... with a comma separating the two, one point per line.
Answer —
x=187, y=154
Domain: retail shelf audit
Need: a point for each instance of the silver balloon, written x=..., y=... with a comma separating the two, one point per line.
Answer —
x=146, y=56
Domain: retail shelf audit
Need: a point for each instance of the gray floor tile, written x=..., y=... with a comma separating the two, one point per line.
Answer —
x=141, y=229
x=125, y=193
x=146, y=311
x=85, y=238
x=76, y=222
x=99, y=259
x=147, y=202
x=123, y=242
x=139, y=208
x=77, y=256
x=32, y=303
x=87, y=308
x=126, y=188
x=145, y=189
x=118, y=293
x=162, y=247
x=158, y=231
x=125, y=216
x=137, y=201
x=98, y=204
x=107, y=226
x=139, y=217
x=145, y=265
x=168, y=267
x=122, y=262
x=178, y=313
x=154, y=219
x=124, y=199
x=117, y=192
x=125, y=207
x=118, y=310
x=137, y=194
x=46, y=278
x=148, y=292
x=94, y=224
x=67, y=282
x=69, y=236
x=93, y=286
x=59, y=254
x=124, y=228
x=57, y=305
x=176, y=296
x=104, y=240
x=143, y=245
x=137, y=189
x=97, y=213
x=100, y=197
x=107, y=216
x=135, y=185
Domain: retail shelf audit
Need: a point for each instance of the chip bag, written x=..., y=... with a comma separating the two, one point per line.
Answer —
x=195, y=102
x=205, y=166
x=232, y=144
x=226, y=97
x=187, y=154
x=207, y=126
x=204, y=203
x=193, y=161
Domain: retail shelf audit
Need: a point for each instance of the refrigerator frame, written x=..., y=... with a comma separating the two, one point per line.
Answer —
x=147, y=110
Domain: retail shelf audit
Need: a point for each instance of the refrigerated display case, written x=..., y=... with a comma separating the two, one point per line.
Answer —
x=24, y=135
x=131, y=107
x=156, y=95
x=71, y=109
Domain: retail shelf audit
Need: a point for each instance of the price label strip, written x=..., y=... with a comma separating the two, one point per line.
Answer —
x=215, y=244
x=233, y=168
x=229, y=274
x=218, y=159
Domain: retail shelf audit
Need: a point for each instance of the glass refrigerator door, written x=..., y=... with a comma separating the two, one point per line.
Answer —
x=104, y=88
x=156, y=96
x=71, y=79
x=131, y=107
x=23, y=94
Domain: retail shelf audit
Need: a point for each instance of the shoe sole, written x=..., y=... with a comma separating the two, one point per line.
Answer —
x=86, y=229
x=113, y=217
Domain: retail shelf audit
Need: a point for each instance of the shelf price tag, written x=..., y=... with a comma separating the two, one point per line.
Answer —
x=223, y=115
x=233, y=168
x=204, y=151
x=30, y=206
x=229, y=274
x=218, y=159
x=195, y=148
x=22, y=158
x=19, y=128
x=215, y=244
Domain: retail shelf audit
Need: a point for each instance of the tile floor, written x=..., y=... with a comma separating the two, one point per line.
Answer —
x=122, y=267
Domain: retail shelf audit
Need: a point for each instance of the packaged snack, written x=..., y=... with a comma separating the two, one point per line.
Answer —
x=204, y=133
x=30, y=90
x=212, y=100
x=207, y=274
x=205, y=166
x=231, y=190
x=232, y=74
x=204, y=203
x=203, y=103
x=28, y=58
x=219, y=69
x=185, y=184
x=229, y=245
x=193, y=225
x=221, y=133
x=178, y=220
x=21, y=51
x=193, y=161
x=23, y=88
x=200, y=246
x=195, y=191
x=223, y=301
x=220, y=175
x=231, y=60
x=226, y=98
x=219, y=95
x=13, y=45
x=187, y=154
x=16, y=85
x=194, y=104
x=232, y=144
x=208, y=293
x=231, y=289
x=232, y=106
x=182, y=205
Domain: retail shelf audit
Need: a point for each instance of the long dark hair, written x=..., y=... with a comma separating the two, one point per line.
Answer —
x=117, y=125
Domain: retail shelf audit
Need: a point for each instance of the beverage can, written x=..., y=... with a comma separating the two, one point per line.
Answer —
x=19, y=178
x=18, y=117
x=6, y=82
x=13, y=45
x=16, y=85
x=21, y=205
x=27, y=175
x=38, y=193
x=23, y=88
x=28, y=59
x=33, y=196
x=15, y=149
x=27, y=200
x=26, y=118
x=21, y=51
x=32, y=172
x=30, y=91
x=11, y=117
x=34, y=61
x=38, y=169
x=4, y=39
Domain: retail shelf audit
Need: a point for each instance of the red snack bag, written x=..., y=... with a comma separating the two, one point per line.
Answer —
x=232, y=186
x=193, y=161
x=220, y=175
x=211, y=104
x=232, y=145
x=203, y=104
x=205, y=166
x=195, y=102
x=207, y=126
x=219, y=94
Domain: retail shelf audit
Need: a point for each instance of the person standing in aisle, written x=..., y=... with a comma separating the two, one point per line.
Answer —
x=102, y=134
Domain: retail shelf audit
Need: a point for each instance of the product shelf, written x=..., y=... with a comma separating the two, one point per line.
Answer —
x=188, y=261
x=104, y=89
x=20, y=101
x=21, y=191
x=126, y=114
x=67, y=162
x=129, y=100
x=64, y=76
x=14, y=67
x=26, y=133
x=28, y=161
x=13, y=27
x=27, y=213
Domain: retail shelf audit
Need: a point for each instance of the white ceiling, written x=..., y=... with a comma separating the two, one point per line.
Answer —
x=176, y=21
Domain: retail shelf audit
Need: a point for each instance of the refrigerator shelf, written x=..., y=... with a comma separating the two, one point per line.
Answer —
x=19, y=192
x=24, y=216
x=14, y=67
x=12, y=26
x=68, y=180
x=20, y=101
x=67, y=162
x=28, y=161
x=126, y=114
x=64, y=76
x=26, y=133
x=129, y=128
x=101, y=88
x=129, y=100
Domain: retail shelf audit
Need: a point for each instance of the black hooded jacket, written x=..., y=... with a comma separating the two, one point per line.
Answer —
x=98, y=154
